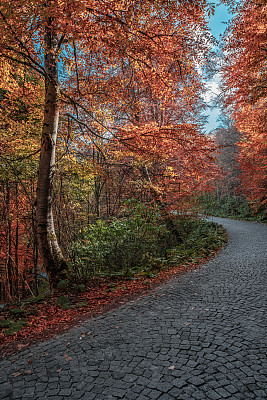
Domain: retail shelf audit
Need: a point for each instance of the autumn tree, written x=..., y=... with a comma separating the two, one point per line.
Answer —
x=245, y=91
x=79, y=48
x=20, y=122
x=228, y=178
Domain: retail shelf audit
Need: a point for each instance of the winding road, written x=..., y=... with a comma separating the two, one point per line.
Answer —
x=198, y=336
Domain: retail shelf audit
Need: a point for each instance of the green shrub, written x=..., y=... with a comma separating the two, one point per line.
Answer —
x=119, y=246
x=5, y=323
x=37, y=299
x=17, y=312
x=139, y=243
x=230, y=207
x=200, y=238
x=62, y=284
x=15, y=326
x=64, y=302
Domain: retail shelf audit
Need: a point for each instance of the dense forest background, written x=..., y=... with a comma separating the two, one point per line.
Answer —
x=104, y=165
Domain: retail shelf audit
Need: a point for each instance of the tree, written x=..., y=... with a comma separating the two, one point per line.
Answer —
x=20, y=122
x=246, y=93
x=92, y=41
x=227, y=180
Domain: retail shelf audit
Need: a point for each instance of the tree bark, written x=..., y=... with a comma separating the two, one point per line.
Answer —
x=49, y=250
x=16, y=249
x=164, y=213
x=9, y=261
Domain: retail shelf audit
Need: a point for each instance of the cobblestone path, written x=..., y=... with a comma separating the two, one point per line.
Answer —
x=199, y=336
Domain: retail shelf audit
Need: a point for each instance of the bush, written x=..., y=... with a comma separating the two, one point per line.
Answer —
x=139, y=242
x=200, y=238
x=120, y=246
x=230, y=207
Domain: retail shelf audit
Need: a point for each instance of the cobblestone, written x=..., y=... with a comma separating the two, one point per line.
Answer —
x=200, y=336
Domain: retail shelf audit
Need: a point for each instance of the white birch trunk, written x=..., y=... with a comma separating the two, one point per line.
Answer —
x=51, y=255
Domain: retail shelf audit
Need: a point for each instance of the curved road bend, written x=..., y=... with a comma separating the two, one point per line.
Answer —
x=199, y=336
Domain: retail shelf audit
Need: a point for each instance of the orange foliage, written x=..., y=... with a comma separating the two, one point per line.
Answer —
x=21, y=104
x=178, y=158
x=245, y=75
x=129, y=74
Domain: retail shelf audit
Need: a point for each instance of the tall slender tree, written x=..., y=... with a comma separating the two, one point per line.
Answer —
x=78, y=47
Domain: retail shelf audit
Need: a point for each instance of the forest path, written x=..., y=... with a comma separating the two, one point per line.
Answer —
x=198, y=336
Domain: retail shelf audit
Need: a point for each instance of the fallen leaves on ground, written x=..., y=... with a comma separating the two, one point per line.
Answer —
x=50, y=319
x=67, y=358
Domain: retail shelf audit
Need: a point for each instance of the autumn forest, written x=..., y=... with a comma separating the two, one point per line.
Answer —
x=106, y=170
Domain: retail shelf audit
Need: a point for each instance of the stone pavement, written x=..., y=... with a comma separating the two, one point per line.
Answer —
x=198, y=336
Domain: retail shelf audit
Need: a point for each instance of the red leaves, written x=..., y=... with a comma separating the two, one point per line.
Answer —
x=245, y=84
x=51, y=319
x=178, y=157
x=67, y=358
x=25, y=372
x=16, y=374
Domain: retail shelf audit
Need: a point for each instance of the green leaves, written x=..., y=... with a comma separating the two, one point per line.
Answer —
x=62, y=284
x=123, y=246
x=139, y=244
x=237, y=207
x=37, y=299
x=16, y=312
x=5, y=323
x=13, y=326
x=64, y=302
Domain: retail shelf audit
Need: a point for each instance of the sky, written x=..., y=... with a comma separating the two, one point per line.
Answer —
x=216, y=21
x=217, y=26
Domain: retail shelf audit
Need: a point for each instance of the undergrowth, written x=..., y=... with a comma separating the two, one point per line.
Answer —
x=140, y=243
x=114, y=258
x=236, y=207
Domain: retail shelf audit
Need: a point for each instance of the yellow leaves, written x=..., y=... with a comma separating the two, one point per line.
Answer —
x=21, y=113
x=70, y=65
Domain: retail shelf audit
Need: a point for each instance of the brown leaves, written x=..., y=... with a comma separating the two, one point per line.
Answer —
x=16, y=374
x=53, y=317
x=21, y=346
x=67, y=358
x=25, y=372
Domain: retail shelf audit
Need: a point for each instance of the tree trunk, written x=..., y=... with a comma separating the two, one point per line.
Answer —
x=9, y=263
x=164, y=213
x=16, y=249
x=35, y=255
x=50, y=253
